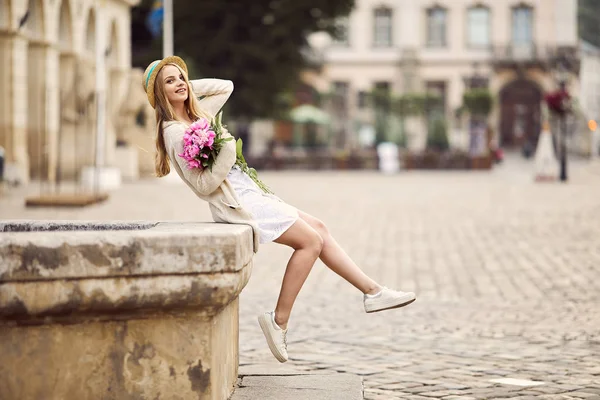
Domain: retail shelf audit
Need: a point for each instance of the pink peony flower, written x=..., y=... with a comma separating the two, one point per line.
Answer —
x=194, y=164
x=193, y=150
x=200, y=141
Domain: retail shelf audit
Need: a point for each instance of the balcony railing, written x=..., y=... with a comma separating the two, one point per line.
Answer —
x=520, y=53
x=531, y=54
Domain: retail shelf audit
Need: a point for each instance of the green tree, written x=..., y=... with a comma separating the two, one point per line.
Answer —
x=588, y=14
x=257, y=44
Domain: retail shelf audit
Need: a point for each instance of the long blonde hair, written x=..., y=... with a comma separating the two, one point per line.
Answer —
x=164, y=113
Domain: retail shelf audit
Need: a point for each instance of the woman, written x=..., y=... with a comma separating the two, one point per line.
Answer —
x=235, y=198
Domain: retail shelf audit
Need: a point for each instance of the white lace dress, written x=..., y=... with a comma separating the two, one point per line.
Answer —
x=272, y=214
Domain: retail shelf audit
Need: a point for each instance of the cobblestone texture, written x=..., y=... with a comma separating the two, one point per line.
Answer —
x=506, y=271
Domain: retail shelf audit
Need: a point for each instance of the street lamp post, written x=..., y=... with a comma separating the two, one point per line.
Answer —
x=562, y=82
x=560, y=104
x=563, y=144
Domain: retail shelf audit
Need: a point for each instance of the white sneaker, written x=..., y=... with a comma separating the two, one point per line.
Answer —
x=276, y=337
x=387, y=299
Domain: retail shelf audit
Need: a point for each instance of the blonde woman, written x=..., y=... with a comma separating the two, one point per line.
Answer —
x=235, y=198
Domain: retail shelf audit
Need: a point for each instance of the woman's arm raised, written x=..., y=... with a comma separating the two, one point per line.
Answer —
x=212, y=93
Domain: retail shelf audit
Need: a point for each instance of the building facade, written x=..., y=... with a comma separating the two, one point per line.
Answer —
x=512, y=47
x=48, y=83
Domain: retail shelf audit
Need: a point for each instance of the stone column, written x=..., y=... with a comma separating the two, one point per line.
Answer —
x=13, y=102
x=69, y=136
x=120, y=311
x=117, y=87
x=52, y=111
x=36, y=113
x=6, y=135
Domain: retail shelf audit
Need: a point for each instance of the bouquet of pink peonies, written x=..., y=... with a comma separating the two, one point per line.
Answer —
x=202, y=142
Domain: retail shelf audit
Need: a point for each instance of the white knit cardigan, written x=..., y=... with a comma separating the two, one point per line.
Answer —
x=211, y=186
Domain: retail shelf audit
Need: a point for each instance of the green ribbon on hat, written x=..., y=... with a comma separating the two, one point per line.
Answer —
x=150, y=73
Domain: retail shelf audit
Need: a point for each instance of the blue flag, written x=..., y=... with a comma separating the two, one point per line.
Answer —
x=155, y=18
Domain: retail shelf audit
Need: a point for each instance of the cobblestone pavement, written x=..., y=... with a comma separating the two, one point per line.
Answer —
x=506, y=271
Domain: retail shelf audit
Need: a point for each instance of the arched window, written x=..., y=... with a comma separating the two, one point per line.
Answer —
x=65, y=33
x=90, y=33
x=382, y=36
x=478, y=26
x=522, y=25
x=35, y=19
x=437, y=25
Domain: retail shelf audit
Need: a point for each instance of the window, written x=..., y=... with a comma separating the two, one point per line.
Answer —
x=35, y=22
x=362, y=99
x=381, y=98
x=436, y=27
x=64, y=30
x=522, y=25
x=478, y=27
x=340, y=100
x=383, y=28
x=342, y=29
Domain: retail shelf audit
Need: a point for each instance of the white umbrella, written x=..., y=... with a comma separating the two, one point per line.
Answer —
x=307, y=113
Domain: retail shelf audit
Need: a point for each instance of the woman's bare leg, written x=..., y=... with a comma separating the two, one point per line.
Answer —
x=307, y=245
x=337, y=260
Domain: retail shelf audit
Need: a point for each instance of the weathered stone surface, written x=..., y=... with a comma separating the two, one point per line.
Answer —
x=170, y=357
x=122, y=314
x=119, y=297
x=162, y=249
x=36, y=226
x=300, y=387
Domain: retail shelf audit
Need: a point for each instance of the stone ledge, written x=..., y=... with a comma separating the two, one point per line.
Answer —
x=72, y=250
x=118, y=298
x=299, y=387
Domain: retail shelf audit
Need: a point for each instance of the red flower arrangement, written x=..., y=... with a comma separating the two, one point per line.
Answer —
x=558, y=101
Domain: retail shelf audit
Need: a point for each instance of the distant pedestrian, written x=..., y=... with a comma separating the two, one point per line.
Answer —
x=234, y=197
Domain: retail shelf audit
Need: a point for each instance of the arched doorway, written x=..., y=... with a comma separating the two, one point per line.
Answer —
x=520, y=116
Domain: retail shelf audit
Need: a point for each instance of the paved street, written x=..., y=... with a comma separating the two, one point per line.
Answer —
x=506, y=271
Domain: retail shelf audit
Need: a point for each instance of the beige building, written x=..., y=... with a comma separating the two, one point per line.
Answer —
x=406, y=46
x=48, y=84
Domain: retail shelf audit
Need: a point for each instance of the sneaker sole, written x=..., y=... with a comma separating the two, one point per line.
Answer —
x=262, y=321
x=389, y=305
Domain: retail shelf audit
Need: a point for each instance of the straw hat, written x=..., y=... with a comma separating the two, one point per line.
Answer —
x=153, y=70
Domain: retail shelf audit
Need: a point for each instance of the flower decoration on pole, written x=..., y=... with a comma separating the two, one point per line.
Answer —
x=559, y=101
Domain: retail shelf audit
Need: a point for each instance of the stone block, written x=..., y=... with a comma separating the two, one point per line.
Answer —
x=107, y=310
